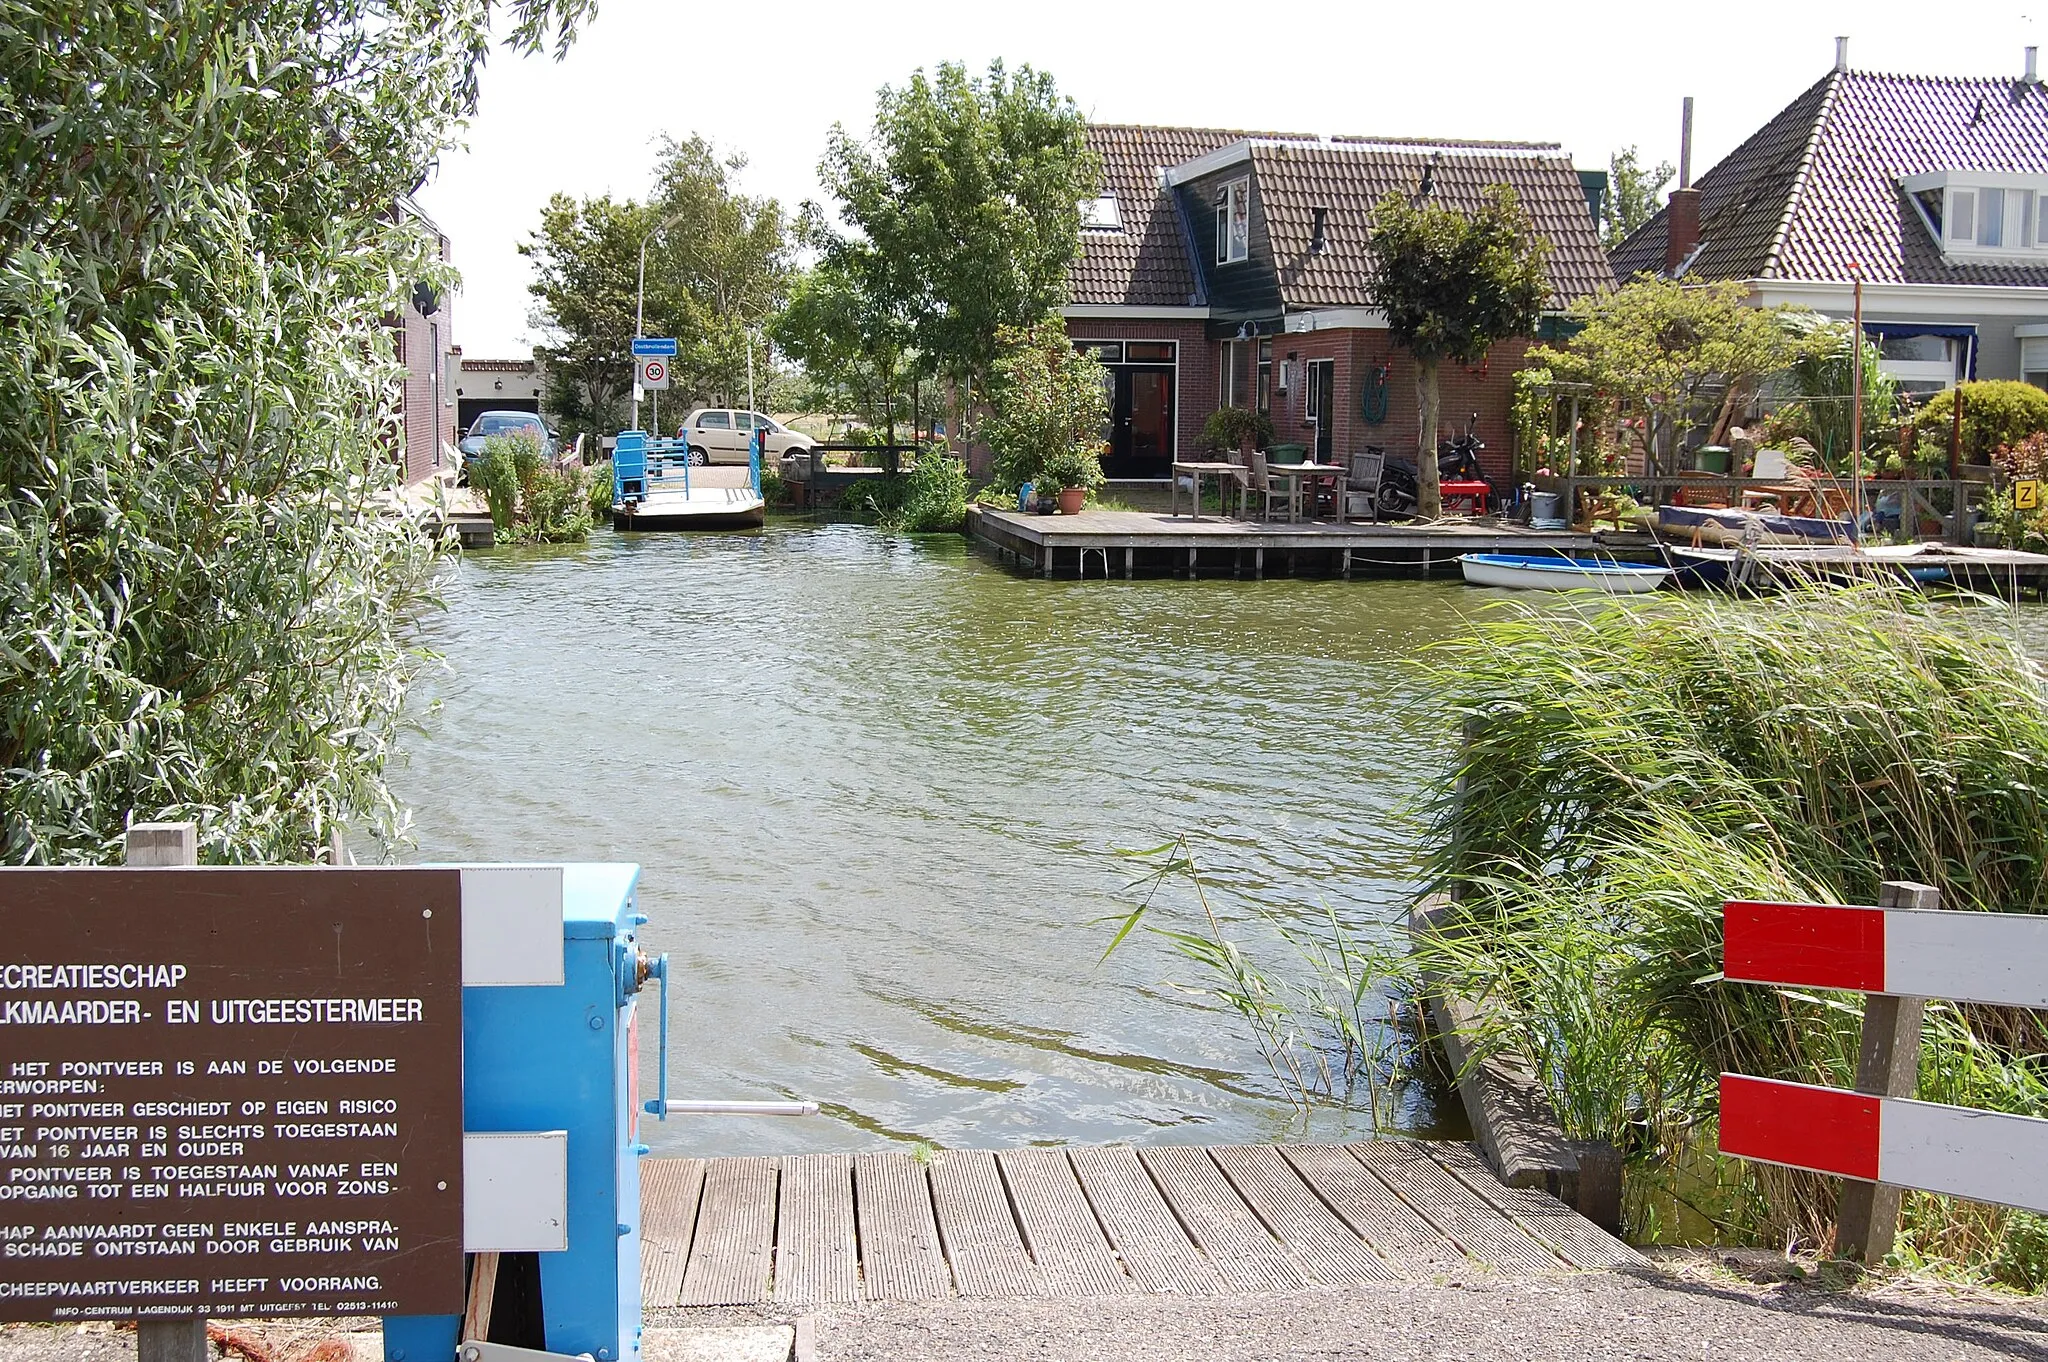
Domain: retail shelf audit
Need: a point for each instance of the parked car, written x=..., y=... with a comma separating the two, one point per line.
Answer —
x=721, y=435
x=492, y=423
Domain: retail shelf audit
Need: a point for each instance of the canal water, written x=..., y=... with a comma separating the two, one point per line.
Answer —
x=883, y=791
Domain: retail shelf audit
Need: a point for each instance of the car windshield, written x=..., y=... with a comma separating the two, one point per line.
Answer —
x=499, y=422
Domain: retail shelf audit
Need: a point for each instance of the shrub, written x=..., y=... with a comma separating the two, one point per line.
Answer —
x=1229, y=429
x=1047, y=398
x=599, y=478
x=1073, y=466
x=531, y=500
x=1996, y=414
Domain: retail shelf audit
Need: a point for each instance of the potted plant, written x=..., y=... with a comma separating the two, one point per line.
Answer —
x=1235, y=428
x=1075, y=470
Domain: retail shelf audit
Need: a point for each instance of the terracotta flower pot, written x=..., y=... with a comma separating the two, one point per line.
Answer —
x=1072, y=499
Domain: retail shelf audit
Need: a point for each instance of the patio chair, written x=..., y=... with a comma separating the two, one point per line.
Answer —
x=1264, y=483
x=1362, y=483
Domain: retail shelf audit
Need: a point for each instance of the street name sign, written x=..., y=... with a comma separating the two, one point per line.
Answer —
x=654, y=345
x=654, y=373
x=233, y=1093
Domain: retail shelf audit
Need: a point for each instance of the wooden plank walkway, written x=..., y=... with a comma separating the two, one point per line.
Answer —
x=820, y=1228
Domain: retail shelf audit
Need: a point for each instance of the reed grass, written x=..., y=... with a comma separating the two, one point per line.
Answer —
x=1631, y=766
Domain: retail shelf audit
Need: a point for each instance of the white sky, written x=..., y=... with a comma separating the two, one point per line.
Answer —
x=769, y=78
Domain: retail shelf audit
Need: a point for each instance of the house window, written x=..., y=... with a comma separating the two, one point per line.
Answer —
x=1234, y=222
x=1149, y=352
x=1231, y=390
x=1101, y=214
x=1107, y=352
x=1923, y=364
x=2034, y=360
x=1978, y=215
x=1266, y=377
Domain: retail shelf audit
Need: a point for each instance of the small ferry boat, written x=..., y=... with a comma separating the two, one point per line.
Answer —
x=1555, y=572
x=655, y=487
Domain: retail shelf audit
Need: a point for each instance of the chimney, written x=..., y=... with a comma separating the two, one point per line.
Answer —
x=1682, y=215
x=2033, y=76
x=1841, y=54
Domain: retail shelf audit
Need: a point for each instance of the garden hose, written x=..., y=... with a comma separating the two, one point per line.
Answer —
x=1372, y=396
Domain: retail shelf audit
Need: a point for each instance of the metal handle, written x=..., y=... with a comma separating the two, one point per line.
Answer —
x=660, y=1107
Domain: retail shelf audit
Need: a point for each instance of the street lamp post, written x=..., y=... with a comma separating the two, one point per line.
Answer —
x=640, y=300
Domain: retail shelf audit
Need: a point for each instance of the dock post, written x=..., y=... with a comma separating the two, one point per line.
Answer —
x=167, y=1340
x=1425, y=562
x=1045, y=570
x=1258, y=565
x=1888, y=1065
x=1347, y=565
x=1129, y=553
x=1191, y=564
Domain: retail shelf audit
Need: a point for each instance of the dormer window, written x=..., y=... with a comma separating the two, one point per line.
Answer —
x=1234, y=222
x=1982, y=216
x=1101, y=214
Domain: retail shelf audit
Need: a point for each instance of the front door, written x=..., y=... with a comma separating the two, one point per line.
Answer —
x=1140, y=422
x=1322, y=406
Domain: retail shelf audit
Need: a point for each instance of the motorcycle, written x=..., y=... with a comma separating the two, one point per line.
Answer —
x=1457, y=460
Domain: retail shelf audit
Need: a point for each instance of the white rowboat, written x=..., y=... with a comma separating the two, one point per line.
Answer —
x=1555, y=572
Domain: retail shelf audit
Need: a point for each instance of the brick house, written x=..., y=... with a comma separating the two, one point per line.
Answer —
x=425, y=338
x=1223, y=267
x=1935, y=189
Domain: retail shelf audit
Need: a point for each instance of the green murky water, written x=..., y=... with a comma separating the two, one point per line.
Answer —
x=878, y=787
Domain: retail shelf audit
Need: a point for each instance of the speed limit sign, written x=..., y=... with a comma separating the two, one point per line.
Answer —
x=653, y=372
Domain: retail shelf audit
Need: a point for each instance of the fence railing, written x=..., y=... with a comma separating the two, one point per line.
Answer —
x=1900, y=954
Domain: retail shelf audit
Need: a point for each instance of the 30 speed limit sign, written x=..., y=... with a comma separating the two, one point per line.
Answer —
x=653, y=372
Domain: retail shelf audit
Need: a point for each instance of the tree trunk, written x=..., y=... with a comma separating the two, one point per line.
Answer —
x=1429, y=494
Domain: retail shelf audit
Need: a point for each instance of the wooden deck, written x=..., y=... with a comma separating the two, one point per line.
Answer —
x=816, y=1229
x=1124, y=542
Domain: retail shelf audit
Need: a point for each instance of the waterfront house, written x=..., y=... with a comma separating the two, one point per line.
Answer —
x=424, y=336
x=1933, y=188
x=1224, y=267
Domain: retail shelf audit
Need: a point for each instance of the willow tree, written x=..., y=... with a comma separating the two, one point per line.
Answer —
x=1453, y=285
x=203, y=612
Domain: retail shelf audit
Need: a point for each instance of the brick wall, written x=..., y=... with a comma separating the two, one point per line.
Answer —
x=1194, y=390
x=1486, y=388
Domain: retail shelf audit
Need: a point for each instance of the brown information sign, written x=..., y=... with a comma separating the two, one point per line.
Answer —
x=234, y=1093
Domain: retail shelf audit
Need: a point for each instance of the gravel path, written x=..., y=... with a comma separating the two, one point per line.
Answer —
x=1586, y=1318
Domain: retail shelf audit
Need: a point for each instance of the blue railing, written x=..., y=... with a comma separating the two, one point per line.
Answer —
x=641, y=466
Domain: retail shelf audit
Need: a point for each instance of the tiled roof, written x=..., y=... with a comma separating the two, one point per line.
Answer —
x=1349, y=177
x=1146, y=264
x=1818, y=186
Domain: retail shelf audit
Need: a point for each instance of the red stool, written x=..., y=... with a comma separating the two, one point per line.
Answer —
x=1473, y=492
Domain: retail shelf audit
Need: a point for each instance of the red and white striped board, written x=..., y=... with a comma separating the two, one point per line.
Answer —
x=1915, y=953
x=1978, y=1155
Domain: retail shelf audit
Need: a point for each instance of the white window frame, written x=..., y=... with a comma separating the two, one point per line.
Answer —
x=1237, y=192
x=2033, y=354
x=2019, y=229
x=1102, y=213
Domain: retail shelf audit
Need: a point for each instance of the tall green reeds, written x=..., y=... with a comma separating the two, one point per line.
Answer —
x=1631, y=766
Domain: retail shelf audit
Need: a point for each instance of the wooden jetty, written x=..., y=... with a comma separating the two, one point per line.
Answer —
x=1124, y=543
x=816, y=1229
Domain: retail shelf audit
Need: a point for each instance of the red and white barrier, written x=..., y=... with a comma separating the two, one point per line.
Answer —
x=1979, y=1155
x=1996, y=958
x=1965, y=957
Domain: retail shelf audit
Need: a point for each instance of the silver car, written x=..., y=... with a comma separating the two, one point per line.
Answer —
x=721, y=435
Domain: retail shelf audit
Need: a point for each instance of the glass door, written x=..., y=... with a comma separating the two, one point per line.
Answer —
x=1322, y=406
x=1141, y=422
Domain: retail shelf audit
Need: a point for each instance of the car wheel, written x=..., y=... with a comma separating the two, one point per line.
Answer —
x=698, y=458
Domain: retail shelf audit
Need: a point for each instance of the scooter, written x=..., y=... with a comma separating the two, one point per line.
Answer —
x=1456, y=461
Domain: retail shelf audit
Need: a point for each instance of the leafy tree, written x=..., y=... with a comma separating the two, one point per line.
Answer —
x=1453, y=287
x=1632, y=194
x=968, y=196
x=846, y=325
x=715, y=274
x=1670, y=351
x=205, y=612
x=1048, y=406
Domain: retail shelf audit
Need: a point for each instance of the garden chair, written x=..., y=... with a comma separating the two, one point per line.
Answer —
x=1362, y=484
x=1264, y=483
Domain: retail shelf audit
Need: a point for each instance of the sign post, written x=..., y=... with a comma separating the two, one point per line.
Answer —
x=229, y=1093
x=644, y=349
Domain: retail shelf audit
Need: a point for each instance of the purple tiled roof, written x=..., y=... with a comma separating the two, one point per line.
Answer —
x=1146, y=264
x=1349, y=176
x=1817, y=188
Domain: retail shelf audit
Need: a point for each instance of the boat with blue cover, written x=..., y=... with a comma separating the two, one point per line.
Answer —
x=1557, y=572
